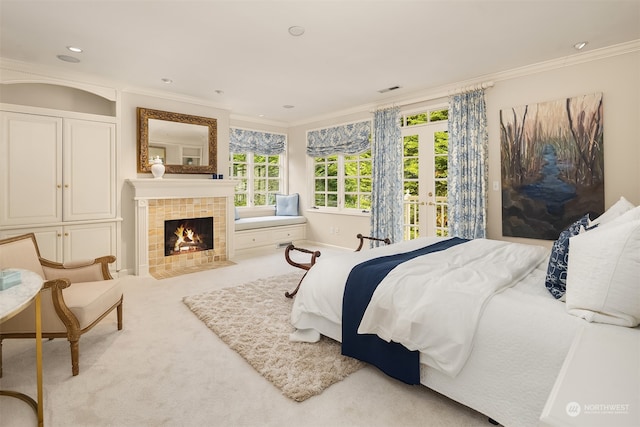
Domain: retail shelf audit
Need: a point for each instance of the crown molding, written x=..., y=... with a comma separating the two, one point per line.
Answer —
x=442, y=92
x=12, y=71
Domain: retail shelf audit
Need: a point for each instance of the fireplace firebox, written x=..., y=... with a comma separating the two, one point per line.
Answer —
x=188, y=235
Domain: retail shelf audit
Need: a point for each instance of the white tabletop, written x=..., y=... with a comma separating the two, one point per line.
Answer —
x=14, y=299
x=599, y=383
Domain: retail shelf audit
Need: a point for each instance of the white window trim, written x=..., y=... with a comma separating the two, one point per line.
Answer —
x=284, y=170
x=324, y=209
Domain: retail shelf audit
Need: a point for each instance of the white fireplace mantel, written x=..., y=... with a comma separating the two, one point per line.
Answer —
x=149, y=189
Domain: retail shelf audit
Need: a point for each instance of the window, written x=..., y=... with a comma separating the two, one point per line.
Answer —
x=260, y=178
x=343, y=181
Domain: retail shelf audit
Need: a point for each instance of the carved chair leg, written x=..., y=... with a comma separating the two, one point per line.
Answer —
x=119, y=313
x=75, y=367
x=295, y=291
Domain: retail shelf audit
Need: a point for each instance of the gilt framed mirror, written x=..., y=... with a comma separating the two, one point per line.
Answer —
x=186, y=144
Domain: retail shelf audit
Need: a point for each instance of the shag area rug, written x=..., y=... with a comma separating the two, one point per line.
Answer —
x=254, y=320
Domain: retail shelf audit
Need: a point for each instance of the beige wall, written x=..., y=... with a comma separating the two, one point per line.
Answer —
x=128, y=155
x=617, y=77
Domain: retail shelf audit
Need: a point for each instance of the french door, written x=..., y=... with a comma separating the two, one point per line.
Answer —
x=425, y=180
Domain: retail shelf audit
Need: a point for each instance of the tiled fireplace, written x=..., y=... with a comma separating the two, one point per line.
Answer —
x=182, y=203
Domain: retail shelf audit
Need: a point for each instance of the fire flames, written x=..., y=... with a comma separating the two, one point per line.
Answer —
x=188, y=239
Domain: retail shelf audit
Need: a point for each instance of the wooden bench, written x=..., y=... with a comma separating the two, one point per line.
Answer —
x=315, y=255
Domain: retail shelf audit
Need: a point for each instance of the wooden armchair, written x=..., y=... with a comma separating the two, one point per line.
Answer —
x=75, y=296
x=315, y=254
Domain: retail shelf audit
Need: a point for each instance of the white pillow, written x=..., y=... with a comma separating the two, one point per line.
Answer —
x=603, y=276
x=618, y=208
x=630, y=215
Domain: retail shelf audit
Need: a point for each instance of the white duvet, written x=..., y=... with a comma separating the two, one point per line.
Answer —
x=431, y=303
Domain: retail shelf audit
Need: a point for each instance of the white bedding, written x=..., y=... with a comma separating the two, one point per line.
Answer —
x=520, y=341
x=433, y=302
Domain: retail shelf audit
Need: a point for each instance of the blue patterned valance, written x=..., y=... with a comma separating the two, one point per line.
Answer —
x=257, y=142
x=352, y=138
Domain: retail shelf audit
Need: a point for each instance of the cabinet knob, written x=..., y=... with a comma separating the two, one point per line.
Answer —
x=66, y=186
x=66, y=234
x=59, y=186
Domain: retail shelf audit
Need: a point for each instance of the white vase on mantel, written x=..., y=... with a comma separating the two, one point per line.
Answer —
x=157, y=168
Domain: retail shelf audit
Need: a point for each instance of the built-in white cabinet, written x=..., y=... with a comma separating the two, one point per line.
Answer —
x=71, y=242
x=56, y=169
x=58, y=180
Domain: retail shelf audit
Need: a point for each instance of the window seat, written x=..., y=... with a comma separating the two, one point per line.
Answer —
x=251, y=223
x=261, y=227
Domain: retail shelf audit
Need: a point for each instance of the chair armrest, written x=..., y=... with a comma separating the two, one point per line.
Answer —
x=361, y=237
x=62, y=310
x=79, y=271
x=304, y=266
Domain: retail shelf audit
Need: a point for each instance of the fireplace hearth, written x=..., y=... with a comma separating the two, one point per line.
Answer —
x=188, y=235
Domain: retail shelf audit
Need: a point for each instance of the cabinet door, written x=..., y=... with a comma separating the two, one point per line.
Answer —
x=31, y=175
x=49, y=240
x=89, y=170
x=89, y=241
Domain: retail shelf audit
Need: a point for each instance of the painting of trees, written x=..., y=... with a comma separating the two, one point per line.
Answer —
x=552, y=165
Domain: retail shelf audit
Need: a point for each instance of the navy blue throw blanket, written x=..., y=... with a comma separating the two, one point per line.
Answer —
x=392, y=358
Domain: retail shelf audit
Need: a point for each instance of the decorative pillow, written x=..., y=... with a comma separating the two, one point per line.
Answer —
x=630, y=215
x=603, y=280
x=556, y=279
x=618, y=208
x=287, y=205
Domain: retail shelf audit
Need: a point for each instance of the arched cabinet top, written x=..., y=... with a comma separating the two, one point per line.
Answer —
x=29, y=89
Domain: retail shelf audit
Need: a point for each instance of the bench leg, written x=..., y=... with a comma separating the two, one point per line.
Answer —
x=295, y=291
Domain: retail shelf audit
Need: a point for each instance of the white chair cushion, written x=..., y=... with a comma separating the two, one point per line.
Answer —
x=90, y=300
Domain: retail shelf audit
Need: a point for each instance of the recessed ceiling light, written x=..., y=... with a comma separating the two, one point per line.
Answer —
x=296, y=30
x=580, y=45
x=67, y=58
x=260, y=115
x=166, y=81
x=74, y=49
x=287, y=106
x=219, y=92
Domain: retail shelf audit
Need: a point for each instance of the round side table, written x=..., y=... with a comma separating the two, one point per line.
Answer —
x=12, y=302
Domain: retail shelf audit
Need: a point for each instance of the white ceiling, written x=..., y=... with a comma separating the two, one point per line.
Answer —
x=350, y=50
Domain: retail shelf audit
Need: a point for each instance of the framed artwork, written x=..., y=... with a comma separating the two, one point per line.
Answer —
x=552, y=165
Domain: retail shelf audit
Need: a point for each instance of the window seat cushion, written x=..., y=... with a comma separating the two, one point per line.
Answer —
x=252, y=223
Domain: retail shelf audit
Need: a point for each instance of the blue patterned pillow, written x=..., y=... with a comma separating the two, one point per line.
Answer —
x=556, y=280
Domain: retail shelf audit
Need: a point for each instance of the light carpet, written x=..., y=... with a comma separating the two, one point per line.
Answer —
x=254, y=320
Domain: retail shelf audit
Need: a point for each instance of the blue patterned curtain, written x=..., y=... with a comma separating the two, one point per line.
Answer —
x=468, y=167
x=257, y=142
x=387, y=169
x=352, y=138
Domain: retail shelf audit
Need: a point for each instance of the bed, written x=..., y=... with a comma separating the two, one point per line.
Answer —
x=506, y=365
